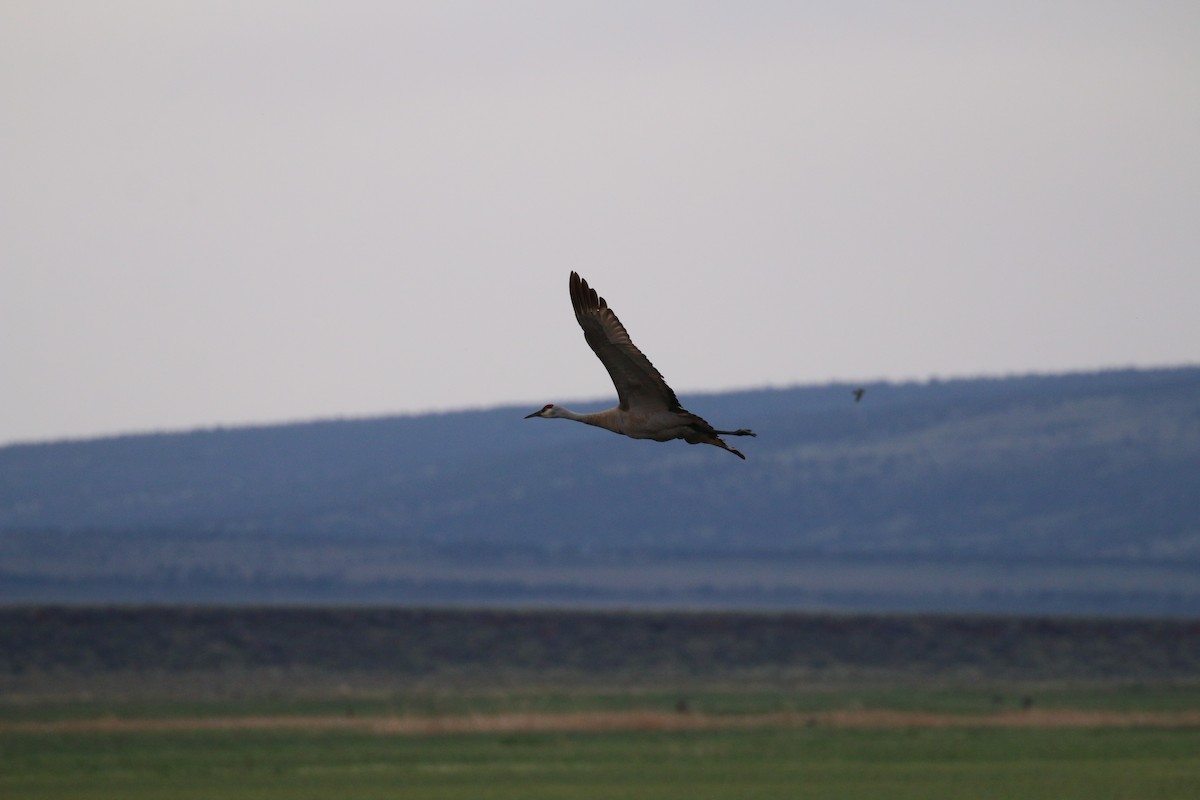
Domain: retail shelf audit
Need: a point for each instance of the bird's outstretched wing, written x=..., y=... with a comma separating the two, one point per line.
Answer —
x=639, y=385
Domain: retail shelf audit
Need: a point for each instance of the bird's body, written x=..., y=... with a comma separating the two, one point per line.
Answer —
x=648, y=408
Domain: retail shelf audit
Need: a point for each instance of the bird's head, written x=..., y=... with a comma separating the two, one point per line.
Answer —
x=546, y=411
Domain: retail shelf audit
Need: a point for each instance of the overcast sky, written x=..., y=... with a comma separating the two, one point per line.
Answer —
x=216, y=213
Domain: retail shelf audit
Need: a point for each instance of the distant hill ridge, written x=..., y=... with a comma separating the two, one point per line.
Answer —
x=1071, y=492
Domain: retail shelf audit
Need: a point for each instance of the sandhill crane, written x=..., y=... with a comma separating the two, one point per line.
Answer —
x=648, y=408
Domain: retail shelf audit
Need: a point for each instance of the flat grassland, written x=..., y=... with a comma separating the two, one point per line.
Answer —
x=250, y=704
x=757, y=762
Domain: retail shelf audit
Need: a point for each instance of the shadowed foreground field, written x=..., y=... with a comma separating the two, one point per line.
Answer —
x=370, y=703
x=1083, y=763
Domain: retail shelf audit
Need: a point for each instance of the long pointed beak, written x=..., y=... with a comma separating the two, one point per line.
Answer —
x=534, y=414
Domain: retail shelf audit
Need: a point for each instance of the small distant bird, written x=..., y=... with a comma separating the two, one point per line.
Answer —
x=648, y=408
x=858, y=393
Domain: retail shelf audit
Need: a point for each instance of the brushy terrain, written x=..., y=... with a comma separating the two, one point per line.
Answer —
x=217, y=651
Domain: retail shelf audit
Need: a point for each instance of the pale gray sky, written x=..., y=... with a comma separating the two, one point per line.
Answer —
x=228, y=212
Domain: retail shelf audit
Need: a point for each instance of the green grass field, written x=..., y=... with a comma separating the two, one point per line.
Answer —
x=1091, y=764
x=161, y=703
x=699, y=697
x=757, y=762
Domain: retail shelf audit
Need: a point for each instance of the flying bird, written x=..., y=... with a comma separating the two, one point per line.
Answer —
x=858, y=393
x=647, y=407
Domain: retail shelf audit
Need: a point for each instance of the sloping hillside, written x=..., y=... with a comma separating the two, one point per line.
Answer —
x=1051, y=493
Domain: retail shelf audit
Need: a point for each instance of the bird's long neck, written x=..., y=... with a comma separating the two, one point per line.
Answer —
x=607, y=419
